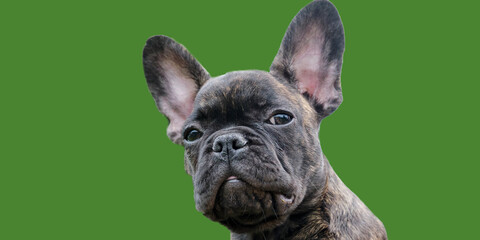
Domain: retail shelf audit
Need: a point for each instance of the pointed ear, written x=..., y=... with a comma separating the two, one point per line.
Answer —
x=311, y=55
x=173, y=77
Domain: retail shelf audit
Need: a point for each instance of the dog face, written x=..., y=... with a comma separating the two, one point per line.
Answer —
x=251, y=137
x=246, y=146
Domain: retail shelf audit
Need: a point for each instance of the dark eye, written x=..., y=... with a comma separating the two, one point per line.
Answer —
x=280, y=119
x=193, y=135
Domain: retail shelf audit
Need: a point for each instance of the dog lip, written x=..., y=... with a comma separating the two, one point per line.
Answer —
x=232, y=179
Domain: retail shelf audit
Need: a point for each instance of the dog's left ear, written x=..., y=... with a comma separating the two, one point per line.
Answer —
x=174, y=77
x=311, y=55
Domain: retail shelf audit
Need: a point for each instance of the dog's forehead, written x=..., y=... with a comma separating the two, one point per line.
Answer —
x=241, y=88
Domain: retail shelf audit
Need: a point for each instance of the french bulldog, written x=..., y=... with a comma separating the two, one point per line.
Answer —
x=251, y=137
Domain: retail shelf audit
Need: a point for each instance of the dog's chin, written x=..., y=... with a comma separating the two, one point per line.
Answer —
x=243, y=208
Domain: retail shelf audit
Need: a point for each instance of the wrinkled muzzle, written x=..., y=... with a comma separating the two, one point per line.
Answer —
x=243, y=183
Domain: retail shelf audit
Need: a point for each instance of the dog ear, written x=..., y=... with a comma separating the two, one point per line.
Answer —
x=174, y=77
x=311, y=55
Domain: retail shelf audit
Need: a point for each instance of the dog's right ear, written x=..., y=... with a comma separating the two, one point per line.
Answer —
x=174, y=77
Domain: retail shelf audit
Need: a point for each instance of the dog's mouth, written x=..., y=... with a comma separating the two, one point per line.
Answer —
x=232, y=179
x=244, y=208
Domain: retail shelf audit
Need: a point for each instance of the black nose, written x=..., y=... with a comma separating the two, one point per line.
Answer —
x=229, y=144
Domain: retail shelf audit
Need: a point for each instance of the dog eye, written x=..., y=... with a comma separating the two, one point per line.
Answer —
x=193, y=135
x=280, y=119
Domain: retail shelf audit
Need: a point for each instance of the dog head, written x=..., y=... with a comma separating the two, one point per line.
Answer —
x=251, y=137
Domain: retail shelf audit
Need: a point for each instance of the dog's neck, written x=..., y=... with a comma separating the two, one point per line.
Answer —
x=331, y=211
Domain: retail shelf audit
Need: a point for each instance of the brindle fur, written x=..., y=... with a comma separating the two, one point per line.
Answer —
x=283, y=160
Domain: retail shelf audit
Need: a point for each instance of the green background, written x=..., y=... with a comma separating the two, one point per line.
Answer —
x=84, y=154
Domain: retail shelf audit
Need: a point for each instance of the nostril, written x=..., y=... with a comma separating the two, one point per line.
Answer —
x=229, y=143
x=239, y=143
x=217, y=146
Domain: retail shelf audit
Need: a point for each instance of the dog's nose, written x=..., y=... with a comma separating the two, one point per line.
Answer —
x=229, y=143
